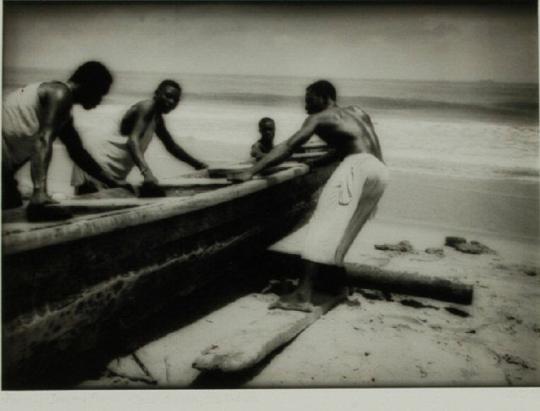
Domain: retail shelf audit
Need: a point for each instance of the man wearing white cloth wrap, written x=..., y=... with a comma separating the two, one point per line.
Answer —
x=351, y=194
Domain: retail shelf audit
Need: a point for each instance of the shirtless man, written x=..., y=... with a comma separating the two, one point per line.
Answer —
x=267, y=129
x=351, y=194
x=120, y=153
x=32, y=117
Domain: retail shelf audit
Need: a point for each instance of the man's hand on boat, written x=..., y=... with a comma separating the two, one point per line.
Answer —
x=199, y=165
x=240, y=176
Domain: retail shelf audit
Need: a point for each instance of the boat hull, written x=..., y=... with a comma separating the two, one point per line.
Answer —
x=60, y=296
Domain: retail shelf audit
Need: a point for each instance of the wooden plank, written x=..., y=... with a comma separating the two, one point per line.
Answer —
x=445, y=277
x=103, y=203
x=223, y=172
x=248, y=346
x=410, y=283
x=194, y=181
x=36, y=235
x=309, y=154
x=108, y=193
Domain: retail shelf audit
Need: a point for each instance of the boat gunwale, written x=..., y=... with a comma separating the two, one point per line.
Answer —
x=101, y=223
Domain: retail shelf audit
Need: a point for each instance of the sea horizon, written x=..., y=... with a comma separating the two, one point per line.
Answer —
x=485, y=130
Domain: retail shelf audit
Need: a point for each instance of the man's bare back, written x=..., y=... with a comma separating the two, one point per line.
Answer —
x=348, y=130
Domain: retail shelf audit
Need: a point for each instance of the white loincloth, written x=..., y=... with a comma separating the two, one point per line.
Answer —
x=339, y=199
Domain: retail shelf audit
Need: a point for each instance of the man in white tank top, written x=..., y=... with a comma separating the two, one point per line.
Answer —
x=120, y=153
x=32, y=117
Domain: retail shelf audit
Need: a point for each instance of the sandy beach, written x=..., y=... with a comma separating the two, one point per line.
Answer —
x=381, y=340
x=377, y=339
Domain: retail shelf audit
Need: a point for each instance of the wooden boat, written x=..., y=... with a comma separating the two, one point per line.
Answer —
x=122, y=256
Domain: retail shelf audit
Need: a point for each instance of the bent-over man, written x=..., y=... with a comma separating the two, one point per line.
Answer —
x=121, y=152
x=32, y=117
x=351, y=194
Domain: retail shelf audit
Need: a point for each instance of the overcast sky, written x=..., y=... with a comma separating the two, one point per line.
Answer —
x=368, y=42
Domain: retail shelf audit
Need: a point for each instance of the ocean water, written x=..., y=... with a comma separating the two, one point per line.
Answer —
x=482, y=129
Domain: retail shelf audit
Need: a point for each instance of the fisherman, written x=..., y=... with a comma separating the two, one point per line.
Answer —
x=267, y=130
x=349, y=197
x=32, y=117
x=122, y=151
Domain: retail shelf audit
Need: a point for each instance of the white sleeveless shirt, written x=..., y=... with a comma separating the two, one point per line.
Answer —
x=20, y=125
x=114, y=157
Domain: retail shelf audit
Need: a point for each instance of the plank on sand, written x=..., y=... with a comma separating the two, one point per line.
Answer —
x=248, y=346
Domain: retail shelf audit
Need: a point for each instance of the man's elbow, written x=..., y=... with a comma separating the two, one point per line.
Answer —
x=43, y=141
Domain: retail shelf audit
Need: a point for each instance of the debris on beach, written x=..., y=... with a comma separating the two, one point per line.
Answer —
x=416, y=304
x=457, y=311
x=519, y=268
x=403, y=247
x=435, y=251
x=515, y=360
x=375, y=294
x=453, y=241
x=472, y=247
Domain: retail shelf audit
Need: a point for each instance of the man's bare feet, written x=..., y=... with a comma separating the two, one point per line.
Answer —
x=295, y=301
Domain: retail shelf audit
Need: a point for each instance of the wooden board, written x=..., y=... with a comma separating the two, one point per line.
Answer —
x=17, y=238
x=248, y=346
x=445, y=277
x=194, y=181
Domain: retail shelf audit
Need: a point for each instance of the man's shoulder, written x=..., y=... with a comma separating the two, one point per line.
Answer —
x=355, y=108
x=144, y=105
x=55, y=91
x=329, y=115
x=140, y=108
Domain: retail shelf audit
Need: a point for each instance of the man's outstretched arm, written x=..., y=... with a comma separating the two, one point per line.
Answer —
x=81, y=157
x=173, y=148
x=141, y=116
x=282, y=151
x=56, y=103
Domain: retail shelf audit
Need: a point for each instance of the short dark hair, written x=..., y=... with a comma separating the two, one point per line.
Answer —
x=94, y=76
x=169, y=83
x=265, y=119
x=323, y=88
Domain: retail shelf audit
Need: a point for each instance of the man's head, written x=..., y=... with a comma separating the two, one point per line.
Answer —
x=267, y=128
x=167, y=96
x=92, y=81
x=319, y=96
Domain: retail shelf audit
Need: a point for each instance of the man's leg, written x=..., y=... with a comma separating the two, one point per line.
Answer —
x=371, y=194
x=300, y=299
